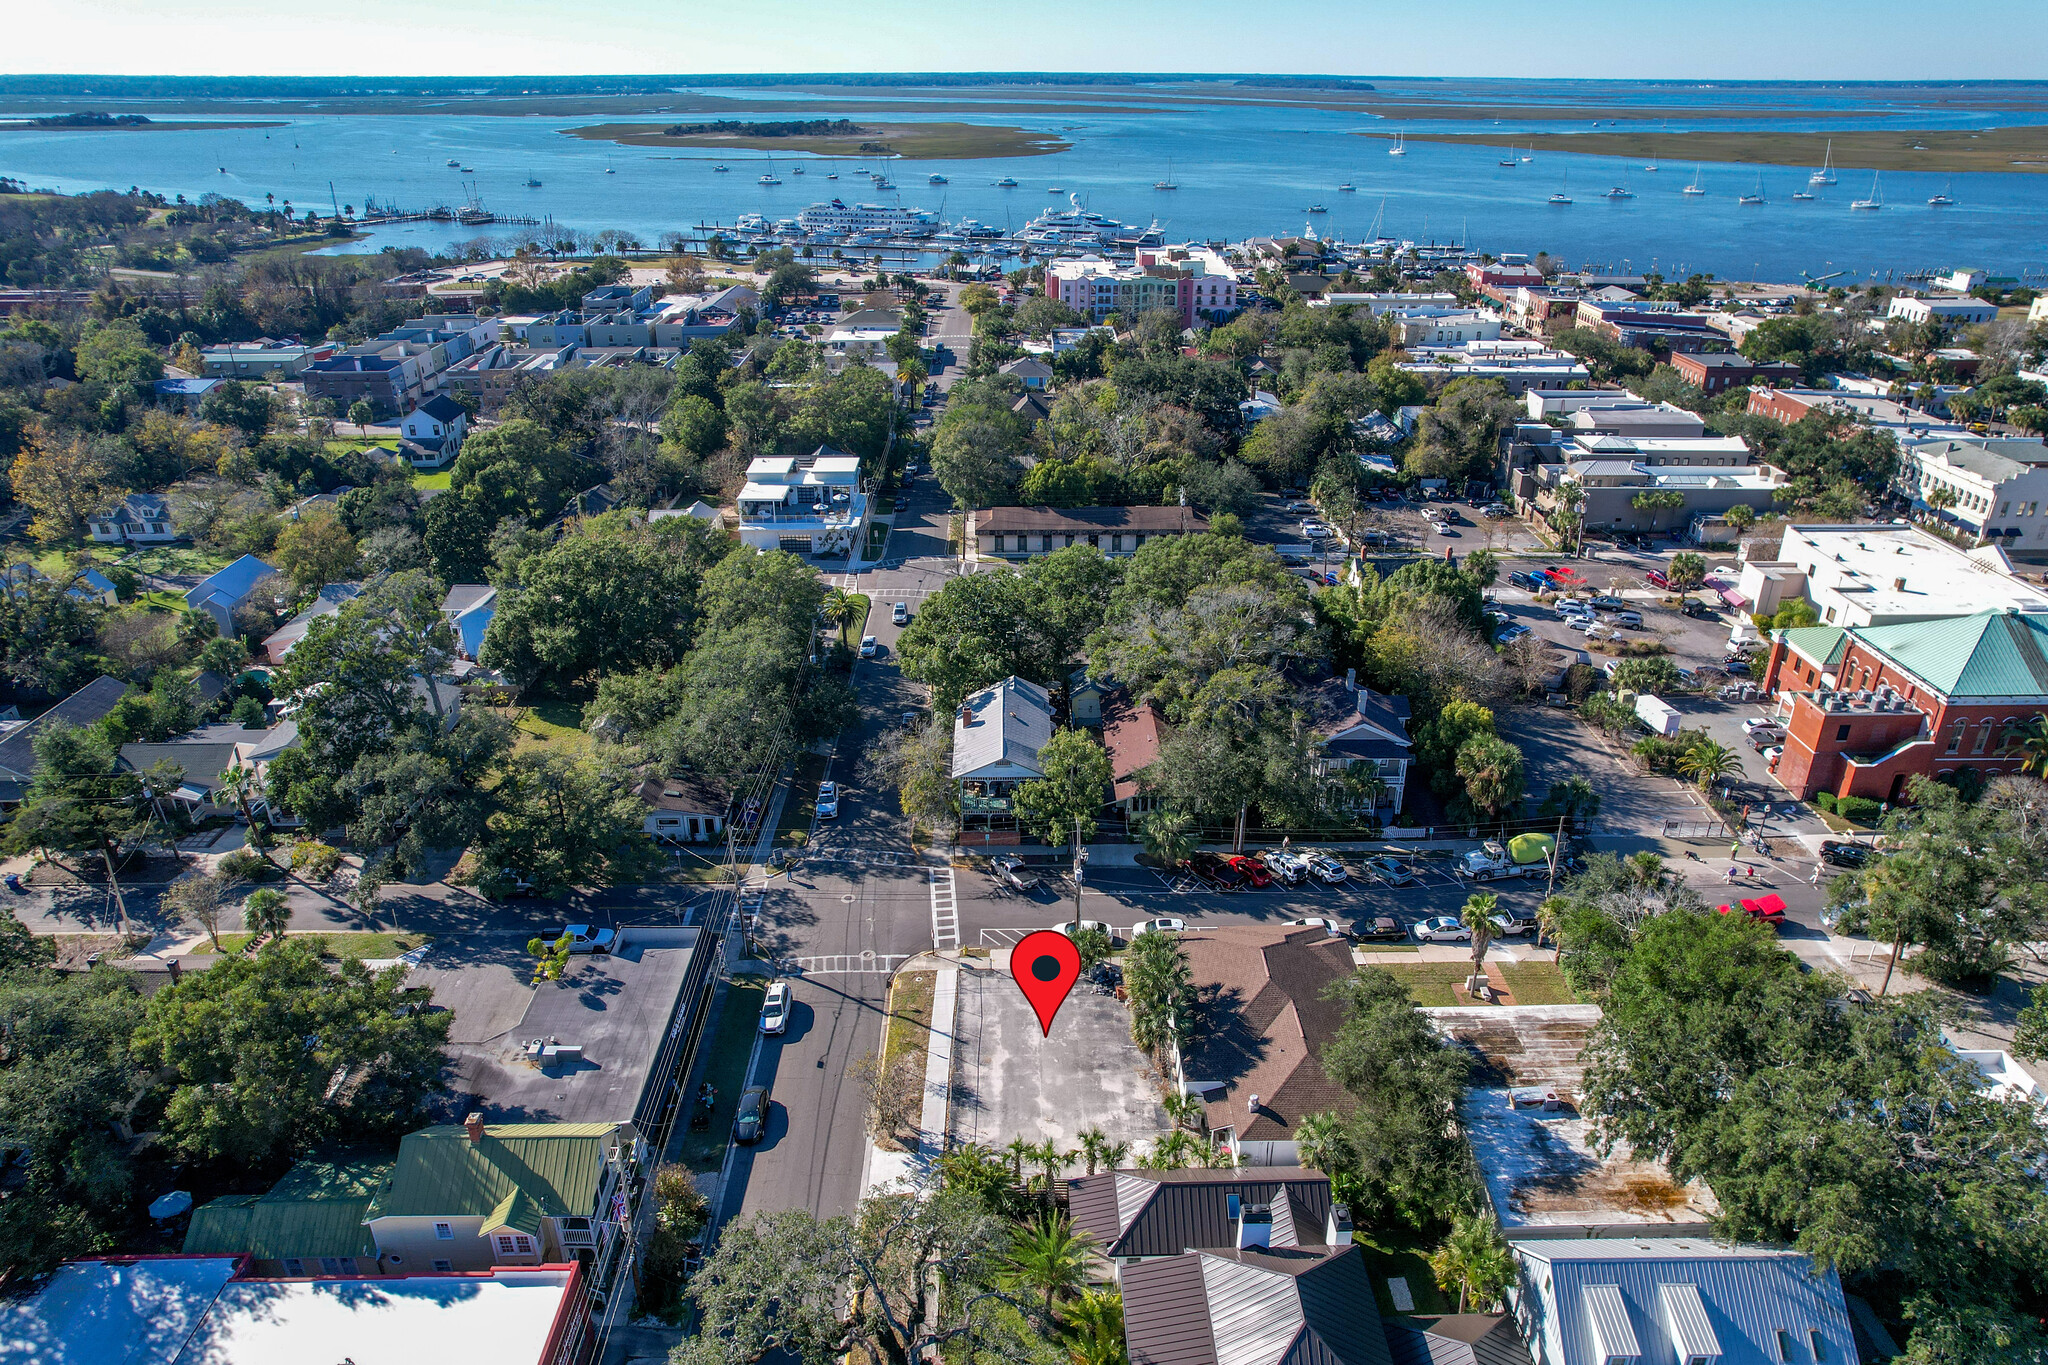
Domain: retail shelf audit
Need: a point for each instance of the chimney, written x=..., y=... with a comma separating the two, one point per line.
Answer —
x=1337, y=1228
x=474, y=1123
x=1351, y=680
x=1898, y=585
x=1254, y=1223
x=966, y=714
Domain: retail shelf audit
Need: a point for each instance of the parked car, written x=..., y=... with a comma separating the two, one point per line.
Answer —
x=1735, y=668
x=1656, y=579
x=1494, y=510
x=1314, y=530
x=750, y=1124
x=900, y=613
x=1513, y=922
x=1379, y=929
x=1012, y=872
x=1773, y=754
x=1287, y=868
x=1528, y=581
x=1323, y=867
x=1836, y=853
x=1442, y=929
x=1250, y=870
x=1608, y=604
x=1766, y=739
x=1070, y=929
x=1697, y=609
x=1216, y=871
x=828, y=800
x=1756, y=723
x=775, y=1008
x=584, y=939
x=1328, y=926
x=868, y=646
x=1389, y=870
x=1632, y=619
x=1165, y=924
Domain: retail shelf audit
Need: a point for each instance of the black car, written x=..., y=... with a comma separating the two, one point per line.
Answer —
x=750, y=1124
x=1526, y=580
x=1212, y=870
x=1738, y=668
x=1697, y=609
x=1380, y=929
x=1837, y=854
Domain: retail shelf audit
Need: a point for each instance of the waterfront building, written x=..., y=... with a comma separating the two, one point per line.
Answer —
x=1947, y=310
x=1194, y=282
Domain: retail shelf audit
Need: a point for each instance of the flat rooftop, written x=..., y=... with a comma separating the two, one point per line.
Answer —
x=617, y=1006
x=1868, y=564
x=1535, y=1148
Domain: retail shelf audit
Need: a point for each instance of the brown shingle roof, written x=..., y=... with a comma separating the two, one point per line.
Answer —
x=1132, y=732
x=996, y=520
x=1265, y=1023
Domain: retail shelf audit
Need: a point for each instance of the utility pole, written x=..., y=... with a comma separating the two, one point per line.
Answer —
x=1080, y=872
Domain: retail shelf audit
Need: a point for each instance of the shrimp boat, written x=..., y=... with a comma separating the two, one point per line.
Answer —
x=1876, y=199
x=1826, y=174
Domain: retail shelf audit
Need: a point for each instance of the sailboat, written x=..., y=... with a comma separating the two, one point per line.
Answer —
x=1561, y=197
x=768, y=176
x=1802, y=194
x=1400, y=147
x=1826, y=174
x=531, y=182
x=1695, y=187
x=1531, y=156
x=1942, y=200
x=1347, y=188
x=1756, y=196
x=1621, y=191
x=721, y=166
x=1876, y=199
x=1653, y=161
x=1166, y=184
x=1509, y=159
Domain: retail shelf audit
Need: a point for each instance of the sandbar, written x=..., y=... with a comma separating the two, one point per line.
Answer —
x=1944, y=151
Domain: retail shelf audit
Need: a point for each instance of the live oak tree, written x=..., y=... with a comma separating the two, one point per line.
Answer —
x=924, y=1272
x=315, y=550
x=63, y=479
x=80, y=802
x=270, y=1055
x=1060, y=807
x=563, y=822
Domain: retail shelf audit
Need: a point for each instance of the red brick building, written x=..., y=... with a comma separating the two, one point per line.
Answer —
x=1719, y=371
x=1868, y=707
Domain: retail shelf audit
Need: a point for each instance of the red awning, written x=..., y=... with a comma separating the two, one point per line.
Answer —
x=1754, y=907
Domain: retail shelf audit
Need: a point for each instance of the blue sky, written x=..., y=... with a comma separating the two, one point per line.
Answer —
x=1656, y=39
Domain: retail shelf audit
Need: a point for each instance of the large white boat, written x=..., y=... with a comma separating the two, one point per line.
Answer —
x=840, y=218
x=1072, y=224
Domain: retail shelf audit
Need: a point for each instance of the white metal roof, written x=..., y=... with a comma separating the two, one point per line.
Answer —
x=1686, y=1321
x=1607, y=1322
x=1011, y=722
x=771, y=464
x=505, y=1316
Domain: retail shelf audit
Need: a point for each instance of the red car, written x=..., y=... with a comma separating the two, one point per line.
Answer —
x=1766, y=909
x=1656, y=579
x=1252, y=872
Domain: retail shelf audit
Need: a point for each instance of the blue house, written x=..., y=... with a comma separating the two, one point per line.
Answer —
x=219, y=594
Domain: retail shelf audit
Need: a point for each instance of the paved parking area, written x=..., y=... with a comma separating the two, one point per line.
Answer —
x=1011, y=1081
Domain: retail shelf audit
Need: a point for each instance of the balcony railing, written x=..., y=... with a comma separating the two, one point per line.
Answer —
x=777, y=514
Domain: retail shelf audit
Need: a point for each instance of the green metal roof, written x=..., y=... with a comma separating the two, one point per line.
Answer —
x=316, y=1210
x=517, y=1174
x=1991, y=654
x=1823, y=644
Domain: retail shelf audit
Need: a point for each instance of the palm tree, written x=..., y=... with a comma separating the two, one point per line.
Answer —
x=1047, y=1256
x=1707, y=763
x=1019, y=1151
x=1094, y=1334
x=2030, y=741
x=1323, y=1143
x=266, y=913
x=243, y=785
x=1184, y=1109
x=1475, y=1260
x=1053, y=1162
x=1549, y=916
x=1478, y=917
x=1169, y=837
x=1093, y=1144
x=1174, y=1151
x=1646, y=869
x=844, y=609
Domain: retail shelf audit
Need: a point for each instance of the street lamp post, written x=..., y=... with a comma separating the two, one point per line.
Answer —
x=1080, y=872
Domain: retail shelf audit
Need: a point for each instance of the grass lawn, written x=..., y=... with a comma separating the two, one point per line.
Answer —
x=1433, y=984
x=910, y=1015
x=1389, y=1254
x=342, y=945
x=1536, y=983
x=696, y=866
x=175, y=560
x=555, y=725
x=732, y=1043
x=802, y=802
x=878, y=538
x=438, y=481
x=160, y=599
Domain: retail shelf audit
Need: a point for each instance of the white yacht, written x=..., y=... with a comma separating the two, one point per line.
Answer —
x=1826, y=174
x=841, y=218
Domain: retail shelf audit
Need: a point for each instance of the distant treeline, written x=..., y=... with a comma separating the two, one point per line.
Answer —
x=90, y=119
x=501, y=87
x=815, y=127
x=1302, y=83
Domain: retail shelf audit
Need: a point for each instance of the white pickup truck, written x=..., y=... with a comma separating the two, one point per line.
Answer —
x=1490, y=863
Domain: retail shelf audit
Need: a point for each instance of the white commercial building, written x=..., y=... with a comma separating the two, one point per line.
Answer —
x=1519, y=365
x=808, y=505
x=1444, y=326
x=1994, y=492
x=1946, y=309
x=1884, y=575
x=1381, y=304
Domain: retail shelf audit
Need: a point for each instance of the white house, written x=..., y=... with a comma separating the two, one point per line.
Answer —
x=683, y=809
x=806, y=504
x=138, y=519
x=1685, y=1301
x=997, y=734
x=437, y=426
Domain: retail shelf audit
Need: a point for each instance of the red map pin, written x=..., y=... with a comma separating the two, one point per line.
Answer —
x=1046, y=965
